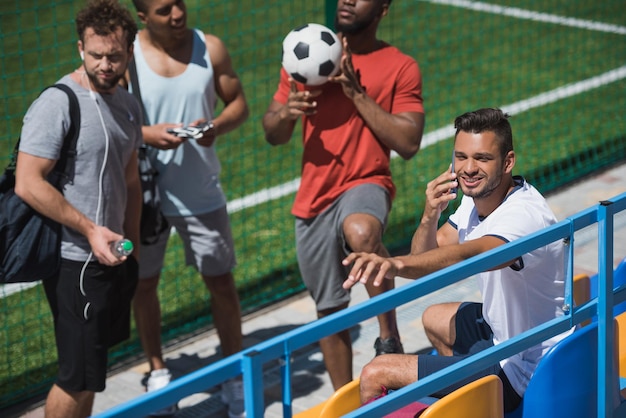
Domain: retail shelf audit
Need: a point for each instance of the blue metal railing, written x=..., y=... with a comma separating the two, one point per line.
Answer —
x=250, y=361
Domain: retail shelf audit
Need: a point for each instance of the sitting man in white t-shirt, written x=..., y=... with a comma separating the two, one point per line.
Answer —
x=497, y=208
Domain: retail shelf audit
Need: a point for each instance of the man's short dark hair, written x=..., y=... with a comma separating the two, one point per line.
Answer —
x=487, y=119
x=104, y=17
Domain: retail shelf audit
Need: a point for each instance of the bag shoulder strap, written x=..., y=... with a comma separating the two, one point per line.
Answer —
x=68, y=151
x=134, y=81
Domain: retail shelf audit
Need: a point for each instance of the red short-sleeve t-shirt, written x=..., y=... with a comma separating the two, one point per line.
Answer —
x=340, y=151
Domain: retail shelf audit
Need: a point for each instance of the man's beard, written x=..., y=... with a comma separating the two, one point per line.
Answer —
x=489, y=188
x=104, y=85
x=351, y=29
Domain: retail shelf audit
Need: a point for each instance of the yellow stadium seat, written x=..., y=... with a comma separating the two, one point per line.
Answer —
x=582, y=292
x=480, y=398
x=581, y=289
x=621, y=337
x=346, y=399
x=313, y=412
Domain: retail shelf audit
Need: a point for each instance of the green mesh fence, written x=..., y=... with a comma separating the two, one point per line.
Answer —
x=559, y=66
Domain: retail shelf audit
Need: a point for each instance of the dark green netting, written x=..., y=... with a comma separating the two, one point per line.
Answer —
x=559, y=66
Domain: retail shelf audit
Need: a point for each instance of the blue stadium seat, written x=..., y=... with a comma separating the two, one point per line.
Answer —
x=565, y=381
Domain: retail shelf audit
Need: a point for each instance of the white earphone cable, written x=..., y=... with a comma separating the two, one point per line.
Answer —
x=100, y=193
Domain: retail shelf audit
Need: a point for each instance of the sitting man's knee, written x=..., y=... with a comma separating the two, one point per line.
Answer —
x=370, y=385
x=429, y=317
x=369, y=372
x=438, y=321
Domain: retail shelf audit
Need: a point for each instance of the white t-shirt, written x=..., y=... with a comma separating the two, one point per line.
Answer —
x=529, y=293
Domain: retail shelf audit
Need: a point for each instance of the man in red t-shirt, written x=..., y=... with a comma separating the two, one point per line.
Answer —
x=350, y=126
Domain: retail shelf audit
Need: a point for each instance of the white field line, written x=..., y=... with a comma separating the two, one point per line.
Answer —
x=530, y=15
x=282, y=190
x=9, y=289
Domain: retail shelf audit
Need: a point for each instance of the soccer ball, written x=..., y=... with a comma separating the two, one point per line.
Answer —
x=311, y=54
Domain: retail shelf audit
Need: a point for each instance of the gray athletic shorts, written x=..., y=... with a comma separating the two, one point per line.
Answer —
x=321, y=245
x=208, y=243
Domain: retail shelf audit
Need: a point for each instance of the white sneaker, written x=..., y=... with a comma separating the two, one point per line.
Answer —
x=157, y=380
x=232, y=395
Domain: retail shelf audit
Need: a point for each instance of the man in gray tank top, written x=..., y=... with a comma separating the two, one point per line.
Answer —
x=178, y=89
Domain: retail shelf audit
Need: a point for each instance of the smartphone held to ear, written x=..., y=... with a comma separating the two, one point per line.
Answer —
x=453, y=190
x=192, y=132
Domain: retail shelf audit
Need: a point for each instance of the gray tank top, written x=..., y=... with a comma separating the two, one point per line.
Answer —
x=188, y=175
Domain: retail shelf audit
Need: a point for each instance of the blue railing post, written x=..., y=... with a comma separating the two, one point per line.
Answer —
x=605, y=310
x=286, y=381
x=568, y=300
x=253, y=384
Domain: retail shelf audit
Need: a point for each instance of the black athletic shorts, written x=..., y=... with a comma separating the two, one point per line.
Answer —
x=91, y=312
x=473, y=335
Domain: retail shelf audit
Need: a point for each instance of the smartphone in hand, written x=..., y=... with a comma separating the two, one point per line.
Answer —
x=453, y=190
x=191, y=132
